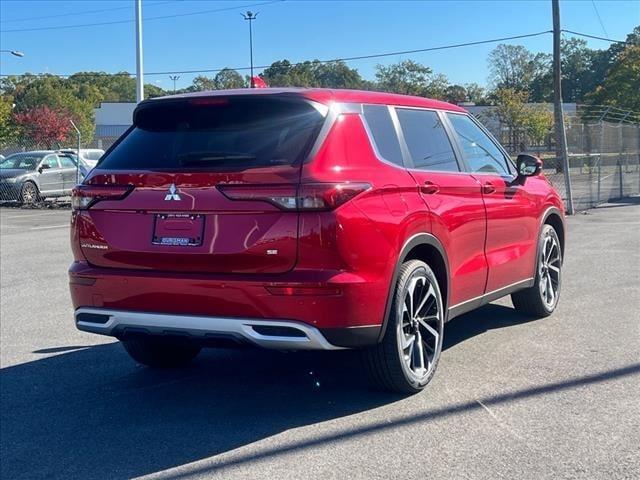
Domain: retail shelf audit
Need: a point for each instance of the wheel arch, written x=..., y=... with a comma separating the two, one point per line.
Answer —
x=553, y=217
x=429, y=249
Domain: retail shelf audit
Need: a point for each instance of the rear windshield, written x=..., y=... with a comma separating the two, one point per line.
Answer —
x=217, y=133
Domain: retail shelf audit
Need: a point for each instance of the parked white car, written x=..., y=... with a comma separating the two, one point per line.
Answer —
x=89, y=156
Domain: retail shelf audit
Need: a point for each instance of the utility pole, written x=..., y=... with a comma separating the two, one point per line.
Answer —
x=250, y=16
x=175, y=79
x=139, y=67
x=561, y=134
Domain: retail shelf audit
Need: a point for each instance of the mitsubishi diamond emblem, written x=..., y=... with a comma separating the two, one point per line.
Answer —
x=173, y=193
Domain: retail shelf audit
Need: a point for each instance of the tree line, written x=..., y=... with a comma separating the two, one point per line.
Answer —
x=39, y=107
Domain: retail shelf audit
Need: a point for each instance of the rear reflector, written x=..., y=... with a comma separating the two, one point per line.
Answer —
x=294, y=291
x=307, y=197
x=84, y=196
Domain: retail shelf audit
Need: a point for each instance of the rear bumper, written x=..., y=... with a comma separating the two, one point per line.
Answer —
x=273, y=334
x=332, y=309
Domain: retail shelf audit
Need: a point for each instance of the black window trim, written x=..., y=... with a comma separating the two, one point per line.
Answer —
x=372, y=140
x=510, y=165
x=405, y=148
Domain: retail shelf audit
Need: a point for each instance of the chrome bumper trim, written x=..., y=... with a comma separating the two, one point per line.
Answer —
x=201, y=326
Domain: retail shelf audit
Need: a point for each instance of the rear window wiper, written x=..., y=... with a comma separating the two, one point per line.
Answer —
x=213, y=157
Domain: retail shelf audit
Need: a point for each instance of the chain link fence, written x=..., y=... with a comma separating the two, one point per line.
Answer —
x=604, y=154
x=603, y=145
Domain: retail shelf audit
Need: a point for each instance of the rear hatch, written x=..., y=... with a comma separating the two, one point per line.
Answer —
x=201, y=184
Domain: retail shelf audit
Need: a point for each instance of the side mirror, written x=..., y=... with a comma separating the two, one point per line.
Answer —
x=528, y=166
x=44, y=166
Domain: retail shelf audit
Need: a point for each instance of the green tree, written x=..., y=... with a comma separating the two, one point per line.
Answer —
x=406, y=77
x=537, y=123
x=8, y=128
x=515, y=67
x=621, y=86
x=476, y=94
x=202, y=83
x=312, y=74
x=228, y=78
x=455, y=94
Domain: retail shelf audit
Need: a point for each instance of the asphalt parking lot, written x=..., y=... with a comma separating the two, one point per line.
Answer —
x=512, y=398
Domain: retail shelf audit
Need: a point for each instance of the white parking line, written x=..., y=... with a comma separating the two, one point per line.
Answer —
x=49, y=226
x=26, y=215
x=606, y=176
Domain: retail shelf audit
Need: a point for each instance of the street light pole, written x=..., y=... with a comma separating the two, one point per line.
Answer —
x=250, y=16
x=15, y=53
x=139, y=67
x=175, y=79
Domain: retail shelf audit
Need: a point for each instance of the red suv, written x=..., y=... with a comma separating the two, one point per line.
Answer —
x=308, y=219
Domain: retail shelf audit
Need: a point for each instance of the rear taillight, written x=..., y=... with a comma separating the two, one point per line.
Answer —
x=305, y=197
x=84, y=196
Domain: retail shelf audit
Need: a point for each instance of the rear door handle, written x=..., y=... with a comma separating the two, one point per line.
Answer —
x=429, y=188
x=488, y=188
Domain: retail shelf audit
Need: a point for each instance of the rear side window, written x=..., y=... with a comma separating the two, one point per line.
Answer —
x=218, y=133
x=384, y=134
x=480, y=153
x=66, y=161
x=52, y=161
x=427, y=140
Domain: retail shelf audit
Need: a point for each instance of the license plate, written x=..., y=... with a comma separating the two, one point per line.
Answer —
x=178, y=229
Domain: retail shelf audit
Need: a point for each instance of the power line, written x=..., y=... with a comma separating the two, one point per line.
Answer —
x=597, y=38
x=147, y=19
x=599, y=17
x=84, y=12
x=343, y=59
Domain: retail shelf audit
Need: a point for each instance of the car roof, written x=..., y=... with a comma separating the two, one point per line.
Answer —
x=35, y=152
x=326, y=96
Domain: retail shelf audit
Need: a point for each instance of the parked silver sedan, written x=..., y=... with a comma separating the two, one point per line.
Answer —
x=29, y=177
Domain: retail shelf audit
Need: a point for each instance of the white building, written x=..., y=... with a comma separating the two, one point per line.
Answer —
x=112, y=120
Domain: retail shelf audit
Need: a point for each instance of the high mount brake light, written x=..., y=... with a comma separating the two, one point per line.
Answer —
x=305, y=197
x=209, y=101
x=84, y=196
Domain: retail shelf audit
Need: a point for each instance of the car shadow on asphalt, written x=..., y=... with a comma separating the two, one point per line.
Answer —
x=94, y=413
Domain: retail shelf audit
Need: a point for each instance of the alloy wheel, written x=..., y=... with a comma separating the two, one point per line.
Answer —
x=29, y=193
x=420, y=327
x=549, y=270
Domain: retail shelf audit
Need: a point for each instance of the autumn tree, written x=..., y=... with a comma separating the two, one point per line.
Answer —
x=44, y=127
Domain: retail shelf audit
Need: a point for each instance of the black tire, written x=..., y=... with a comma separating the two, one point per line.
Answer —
x=29, y=193
x=386, y=362
x=533, y=301
x=159, y=352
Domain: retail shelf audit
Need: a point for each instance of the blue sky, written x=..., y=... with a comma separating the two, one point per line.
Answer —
x=296, y=30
